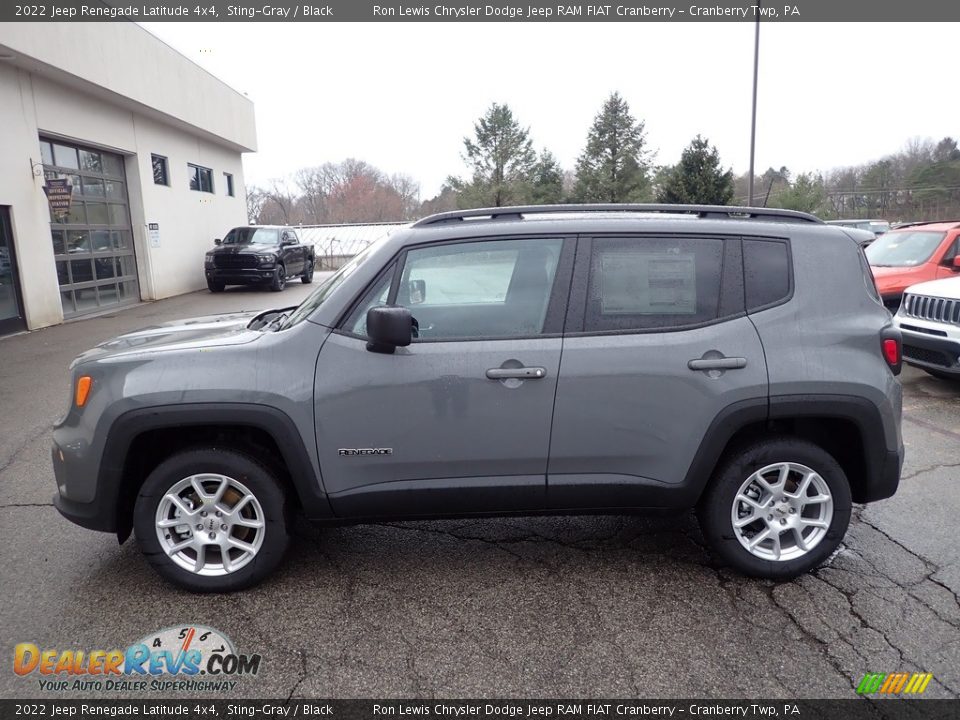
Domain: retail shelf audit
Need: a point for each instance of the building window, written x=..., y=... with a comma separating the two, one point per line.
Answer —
x=229, y=178
x=161, y=176
x=201, y=178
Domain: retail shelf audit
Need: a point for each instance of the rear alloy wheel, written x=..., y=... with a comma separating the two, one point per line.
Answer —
x=212, y=520
x=776, y=509
x=279, y=280
x=307, y=276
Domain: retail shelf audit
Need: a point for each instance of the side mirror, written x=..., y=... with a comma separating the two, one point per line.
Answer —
x=389, y=327
x=287, y=240
x=956, y=263
x=417, y=291
x=217, y=241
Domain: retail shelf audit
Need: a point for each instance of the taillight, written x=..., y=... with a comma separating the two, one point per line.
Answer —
x=891, y=351
x=890, y=346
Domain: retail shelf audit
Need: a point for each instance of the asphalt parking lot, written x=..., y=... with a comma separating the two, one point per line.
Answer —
x=546, y=607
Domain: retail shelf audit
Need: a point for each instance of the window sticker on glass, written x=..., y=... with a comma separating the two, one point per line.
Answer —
x=633, y=283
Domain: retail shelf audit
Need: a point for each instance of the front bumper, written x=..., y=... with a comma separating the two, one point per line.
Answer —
x=240, y=276
x=930, y=352
x=99, y=514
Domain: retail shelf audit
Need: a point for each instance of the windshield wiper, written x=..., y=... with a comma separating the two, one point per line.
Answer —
x=259, y=322
x=275, y=322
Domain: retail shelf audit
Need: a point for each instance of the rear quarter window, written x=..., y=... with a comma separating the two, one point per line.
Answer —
x=766, y=273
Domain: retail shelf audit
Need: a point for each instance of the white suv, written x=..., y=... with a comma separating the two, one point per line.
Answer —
x=929, y=318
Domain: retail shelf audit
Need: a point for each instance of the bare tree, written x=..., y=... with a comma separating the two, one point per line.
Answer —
x=279, y=204
x=408, y=191
x=255, y=202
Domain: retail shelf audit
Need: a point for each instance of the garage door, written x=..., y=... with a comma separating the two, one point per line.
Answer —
x=93, y=242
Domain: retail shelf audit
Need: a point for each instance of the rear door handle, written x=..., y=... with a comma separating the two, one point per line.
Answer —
x=722, y=363
x=523, y=373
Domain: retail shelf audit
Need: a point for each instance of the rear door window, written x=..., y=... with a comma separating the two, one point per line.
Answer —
x=648, y=283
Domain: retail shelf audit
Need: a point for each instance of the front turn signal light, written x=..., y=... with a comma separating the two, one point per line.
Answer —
x=84, y=382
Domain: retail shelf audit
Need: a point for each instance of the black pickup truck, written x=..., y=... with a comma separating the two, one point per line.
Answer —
x=258, y=254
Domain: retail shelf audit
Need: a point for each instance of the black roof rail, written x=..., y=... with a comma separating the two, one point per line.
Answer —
x=703, y=211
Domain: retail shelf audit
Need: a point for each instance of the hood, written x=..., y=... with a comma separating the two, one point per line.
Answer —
x=248, y=249
x=862, y=237
x=948, y=288
x=199, y=333
x=884, y=271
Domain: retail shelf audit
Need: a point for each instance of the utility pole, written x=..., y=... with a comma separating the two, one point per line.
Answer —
x=753, y=117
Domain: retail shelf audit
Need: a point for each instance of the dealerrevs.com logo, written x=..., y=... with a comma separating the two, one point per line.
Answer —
x=192, y=658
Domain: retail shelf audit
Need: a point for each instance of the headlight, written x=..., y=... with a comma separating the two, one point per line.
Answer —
x=267, y=259
x=208, y=261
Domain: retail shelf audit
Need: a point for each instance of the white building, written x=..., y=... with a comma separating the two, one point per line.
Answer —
x=150, y=145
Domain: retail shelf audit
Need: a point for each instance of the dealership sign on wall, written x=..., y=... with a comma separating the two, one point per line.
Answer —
x=59, y=194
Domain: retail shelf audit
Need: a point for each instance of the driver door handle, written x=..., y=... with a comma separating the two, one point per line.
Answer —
x=523, y=373
x=721, y=363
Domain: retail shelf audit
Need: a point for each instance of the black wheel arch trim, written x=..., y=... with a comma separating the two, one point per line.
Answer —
x=883, y=463
x=728, y=422
x=307, y=483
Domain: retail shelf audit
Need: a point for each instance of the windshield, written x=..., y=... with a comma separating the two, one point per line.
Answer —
x=903, y=249
x=251, y=236
x=317, y=297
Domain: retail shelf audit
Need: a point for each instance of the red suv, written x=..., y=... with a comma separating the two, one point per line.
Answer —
x=912, y=254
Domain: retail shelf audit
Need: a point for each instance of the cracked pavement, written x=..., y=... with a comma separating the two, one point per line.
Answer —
x=520, y=607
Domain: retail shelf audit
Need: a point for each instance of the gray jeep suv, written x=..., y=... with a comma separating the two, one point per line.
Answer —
x=538, y=360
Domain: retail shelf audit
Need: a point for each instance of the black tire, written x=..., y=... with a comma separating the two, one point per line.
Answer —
x=279, y=280
x=716, y=506
x=215, y=287
x=262, y=484
x=307, y=276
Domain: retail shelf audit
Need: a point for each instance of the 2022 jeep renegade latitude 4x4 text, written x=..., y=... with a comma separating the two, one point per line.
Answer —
x=562, y=359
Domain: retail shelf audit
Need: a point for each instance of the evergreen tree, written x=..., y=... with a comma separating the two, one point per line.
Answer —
x=501, y=158
x=546, y=187
x=614, y=166
x=806, y=194
x=698, y=178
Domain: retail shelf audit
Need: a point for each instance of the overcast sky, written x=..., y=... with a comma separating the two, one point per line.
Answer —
x=402, y=95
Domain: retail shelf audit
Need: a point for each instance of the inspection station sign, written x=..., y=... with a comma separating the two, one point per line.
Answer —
x=60, y=195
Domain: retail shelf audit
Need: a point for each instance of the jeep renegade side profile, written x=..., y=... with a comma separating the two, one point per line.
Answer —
x=560, y=359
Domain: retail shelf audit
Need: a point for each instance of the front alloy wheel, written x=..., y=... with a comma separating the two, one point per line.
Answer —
x=212, y=520
x=210, y=524
x=776, y=508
